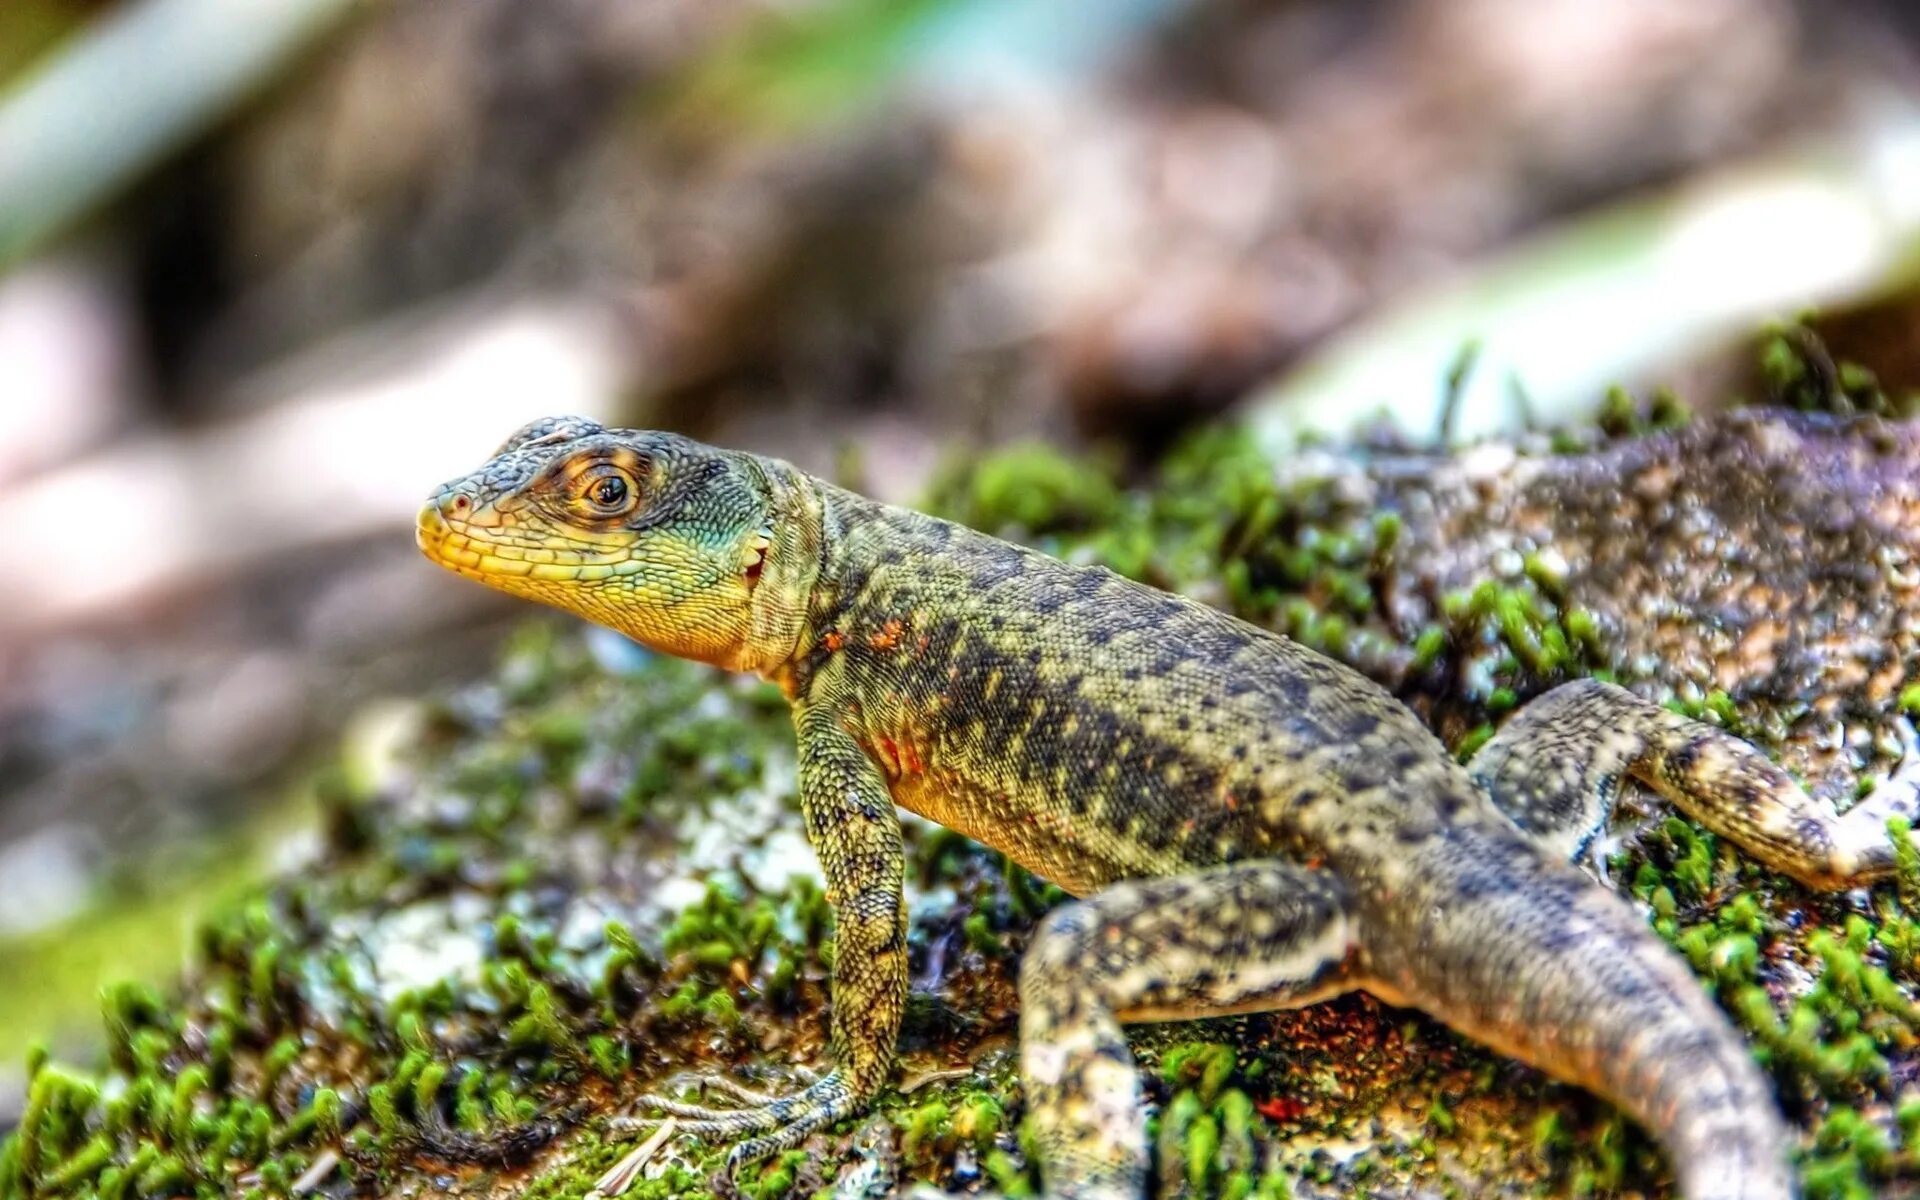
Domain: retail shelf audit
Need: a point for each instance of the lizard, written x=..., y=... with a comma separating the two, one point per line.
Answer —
x=1243, y=823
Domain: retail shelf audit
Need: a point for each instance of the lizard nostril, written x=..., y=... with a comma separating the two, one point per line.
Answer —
x=460, y=504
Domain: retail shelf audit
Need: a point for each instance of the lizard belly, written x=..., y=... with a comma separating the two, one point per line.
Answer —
x=1040, y=837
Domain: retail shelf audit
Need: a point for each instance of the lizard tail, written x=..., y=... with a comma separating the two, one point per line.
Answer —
x=1530, y=957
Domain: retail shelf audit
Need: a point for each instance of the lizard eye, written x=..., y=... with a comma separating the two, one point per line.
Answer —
x=609, y=494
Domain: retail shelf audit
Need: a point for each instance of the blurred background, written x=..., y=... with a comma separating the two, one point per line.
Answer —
x=271, y=271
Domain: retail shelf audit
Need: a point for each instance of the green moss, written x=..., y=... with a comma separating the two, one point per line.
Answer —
x=1031, y=488
x=1010, y=1176
x=136, y=931
x=1796, y=371
x=773, y=1180
x=1621, y=415
x=1204, y=1066
x=542, y=1025
x=229, y=1077
x=981, y=937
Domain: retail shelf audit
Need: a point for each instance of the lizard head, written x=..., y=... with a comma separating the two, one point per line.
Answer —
x=656, y=535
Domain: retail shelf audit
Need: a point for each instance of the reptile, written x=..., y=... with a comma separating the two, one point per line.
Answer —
x=1244, y=824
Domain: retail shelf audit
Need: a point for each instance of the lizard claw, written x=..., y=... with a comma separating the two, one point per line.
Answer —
x=739, y=1092
x=693, y=1118
x=727, y=1086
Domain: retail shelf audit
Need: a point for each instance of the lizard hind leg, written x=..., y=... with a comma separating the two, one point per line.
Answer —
x=1242, y=938
x=1555, y=770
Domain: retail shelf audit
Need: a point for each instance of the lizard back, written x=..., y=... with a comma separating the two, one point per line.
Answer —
x=1095, y=728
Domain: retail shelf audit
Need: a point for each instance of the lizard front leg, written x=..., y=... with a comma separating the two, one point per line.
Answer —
x=852, y=827
x=1244, y=938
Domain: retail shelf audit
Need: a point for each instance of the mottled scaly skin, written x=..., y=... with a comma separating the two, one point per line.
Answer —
x=1249, y=825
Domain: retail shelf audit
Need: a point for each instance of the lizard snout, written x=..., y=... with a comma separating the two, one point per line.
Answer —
x=445, y=512
x=453, y=503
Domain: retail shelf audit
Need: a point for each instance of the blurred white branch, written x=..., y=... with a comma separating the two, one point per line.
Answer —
x=154, y=515
x=1611, y=296
x=136, y=86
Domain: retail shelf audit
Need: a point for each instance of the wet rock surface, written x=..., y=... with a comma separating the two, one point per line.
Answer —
x=1766, y=559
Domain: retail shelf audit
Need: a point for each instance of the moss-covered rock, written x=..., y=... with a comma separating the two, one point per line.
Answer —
x=582, y=877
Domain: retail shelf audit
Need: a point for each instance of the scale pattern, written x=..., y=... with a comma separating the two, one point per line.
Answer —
x=1248, y=825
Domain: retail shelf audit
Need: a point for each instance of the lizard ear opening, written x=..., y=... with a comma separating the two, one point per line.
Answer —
x=757, y=557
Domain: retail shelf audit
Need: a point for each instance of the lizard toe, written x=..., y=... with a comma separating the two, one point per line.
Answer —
x=770, y=1126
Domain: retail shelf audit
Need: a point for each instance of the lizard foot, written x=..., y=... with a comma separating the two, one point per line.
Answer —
x=770, y=1125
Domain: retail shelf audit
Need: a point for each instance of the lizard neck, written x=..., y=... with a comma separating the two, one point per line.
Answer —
x=790, y=571
x=856, y=548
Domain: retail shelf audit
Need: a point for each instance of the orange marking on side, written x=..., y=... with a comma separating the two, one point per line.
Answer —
x=834, y=641
x=900, y=757
x=889, y=635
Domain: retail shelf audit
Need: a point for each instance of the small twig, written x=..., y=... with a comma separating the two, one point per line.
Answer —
x=621, y=1175
x=324, y=1164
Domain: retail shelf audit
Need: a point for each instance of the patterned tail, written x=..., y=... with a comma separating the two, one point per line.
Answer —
x=1534, y=959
